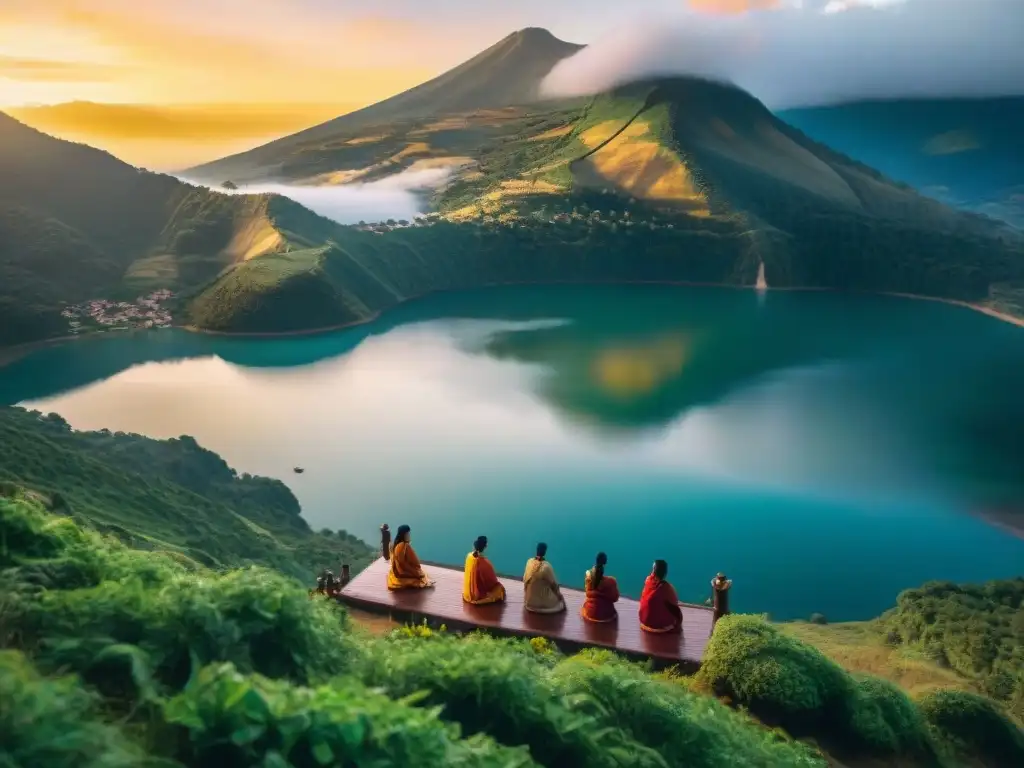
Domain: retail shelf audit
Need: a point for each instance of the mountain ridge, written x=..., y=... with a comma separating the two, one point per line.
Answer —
x=507, y=73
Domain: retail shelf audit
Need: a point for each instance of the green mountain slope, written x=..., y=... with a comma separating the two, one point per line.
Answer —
x=77, y=224
x=111, y=657
x=507, y=74
x=965, y=152
x=167, y=495
x=670, y=180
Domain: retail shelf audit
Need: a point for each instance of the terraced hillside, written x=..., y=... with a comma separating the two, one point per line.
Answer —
x=669, y=180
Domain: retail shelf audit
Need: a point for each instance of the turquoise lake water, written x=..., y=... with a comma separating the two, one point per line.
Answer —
x=825, y=451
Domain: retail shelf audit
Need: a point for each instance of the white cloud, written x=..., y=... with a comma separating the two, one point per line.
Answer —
x=804, y=56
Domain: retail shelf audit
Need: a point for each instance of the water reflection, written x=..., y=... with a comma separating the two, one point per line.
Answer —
x=817, y=431
x=824, y=390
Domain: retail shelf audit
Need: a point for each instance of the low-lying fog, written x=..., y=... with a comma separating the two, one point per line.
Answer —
x=400, y=196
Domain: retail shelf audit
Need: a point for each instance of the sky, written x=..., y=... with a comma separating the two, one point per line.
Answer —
x=281, y=51
x=240, y=72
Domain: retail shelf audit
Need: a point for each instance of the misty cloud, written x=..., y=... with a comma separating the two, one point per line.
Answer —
x=826, y=51
x=394, y=197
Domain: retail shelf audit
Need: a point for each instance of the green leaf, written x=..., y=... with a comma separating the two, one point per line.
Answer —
x=322, y=753
x=248, y=734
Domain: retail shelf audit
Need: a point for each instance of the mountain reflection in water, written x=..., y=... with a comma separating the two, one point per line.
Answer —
x=569, y=412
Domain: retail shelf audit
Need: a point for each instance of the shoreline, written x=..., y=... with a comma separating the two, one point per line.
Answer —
x=9, y=355
x=980, y=308
x=1009, y=523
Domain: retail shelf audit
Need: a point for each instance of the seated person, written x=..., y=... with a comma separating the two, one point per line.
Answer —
x=602, y=592
x=480, y=584
x=405, y=571
x=659, y=604
x=540, y=585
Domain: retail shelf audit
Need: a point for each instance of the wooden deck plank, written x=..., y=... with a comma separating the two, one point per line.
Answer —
x=444, y=603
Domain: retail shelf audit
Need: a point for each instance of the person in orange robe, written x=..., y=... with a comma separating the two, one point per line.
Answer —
x=659, y=603
x=602, y=592
x=405, y=571
x=480, y=584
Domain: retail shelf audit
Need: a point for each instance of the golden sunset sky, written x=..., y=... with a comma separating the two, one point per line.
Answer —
x=221, y=73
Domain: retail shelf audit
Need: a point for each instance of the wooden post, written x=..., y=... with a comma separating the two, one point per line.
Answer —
x=385, y=541
x=346, y=576
x=720, y=587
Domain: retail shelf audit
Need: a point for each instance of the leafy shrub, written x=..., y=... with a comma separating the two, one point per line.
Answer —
x=781, y=680
x=684, y=728
x=55, y=553
x=788, y=683
x=975, y=629
x=542, y=646
x=974, y=725
x=229, y=719
x=259, y=620
x=500, y=688
x=887, y=721
x=52, y=723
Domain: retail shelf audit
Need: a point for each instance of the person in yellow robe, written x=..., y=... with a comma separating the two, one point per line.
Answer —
x=540, y=584
x=405, y=571
x=480, y=584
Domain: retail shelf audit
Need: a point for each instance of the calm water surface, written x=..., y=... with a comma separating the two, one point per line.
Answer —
x=825, y=451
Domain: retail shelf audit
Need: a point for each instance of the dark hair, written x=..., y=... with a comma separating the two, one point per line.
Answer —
x=403, y=530
x=597, y=572
x=480, y=544
x=542, y=549
x=660, y=569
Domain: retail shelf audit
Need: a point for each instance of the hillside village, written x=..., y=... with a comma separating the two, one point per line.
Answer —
x=145, y=312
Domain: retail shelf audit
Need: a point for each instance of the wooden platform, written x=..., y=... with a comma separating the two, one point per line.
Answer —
x=443, y=604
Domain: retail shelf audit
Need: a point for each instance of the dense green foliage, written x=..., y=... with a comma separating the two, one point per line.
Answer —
x=55, y=722
x=977, y=630
x=167, y=494
x=365, y=273
x=975, y=725
x=114, y=653
x=243, y=668
x=785, y=682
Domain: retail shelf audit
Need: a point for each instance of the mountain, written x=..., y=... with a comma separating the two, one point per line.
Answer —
x=663, y=180
x=77, y=224
x=966, y=152
x=507, y=74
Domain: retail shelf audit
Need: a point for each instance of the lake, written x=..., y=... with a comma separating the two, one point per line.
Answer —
x=825, y=451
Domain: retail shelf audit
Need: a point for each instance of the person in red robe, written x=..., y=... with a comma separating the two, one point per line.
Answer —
x=480, y=583
x=602, y=592
x=659, y=603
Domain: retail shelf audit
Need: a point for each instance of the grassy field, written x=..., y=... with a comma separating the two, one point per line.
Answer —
x=861, y=647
